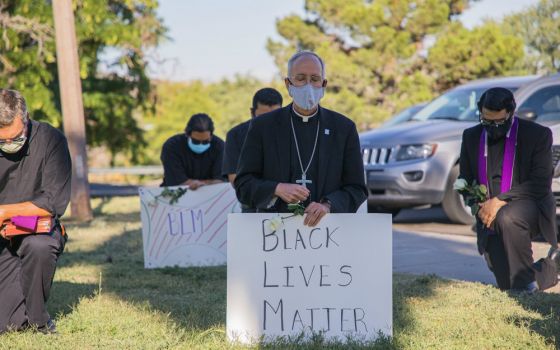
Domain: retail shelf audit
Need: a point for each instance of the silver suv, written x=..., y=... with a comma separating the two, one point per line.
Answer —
x=415, y=164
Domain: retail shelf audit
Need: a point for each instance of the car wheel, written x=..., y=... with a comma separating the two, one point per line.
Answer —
x=453, y=204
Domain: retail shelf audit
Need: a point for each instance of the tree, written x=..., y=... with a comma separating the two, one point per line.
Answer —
x=377, y=52
x=460, y=55
x=227, y=102
x=539, y=27
x=373, y=50
x=112, y=97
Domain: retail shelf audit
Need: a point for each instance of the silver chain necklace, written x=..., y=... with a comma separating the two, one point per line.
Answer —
x=303, y=181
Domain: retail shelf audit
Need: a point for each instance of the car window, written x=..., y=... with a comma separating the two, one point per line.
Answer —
x=455, y=105
x=545, y=103
x=403, y=116
x=459, y=104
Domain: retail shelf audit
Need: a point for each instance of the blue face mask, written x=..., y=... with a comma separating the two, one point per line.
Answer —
x=306, y=96
x=198, y=149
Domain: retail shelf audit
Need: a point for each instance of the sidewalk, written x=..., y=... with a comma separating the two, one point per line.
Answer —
x=447, y=255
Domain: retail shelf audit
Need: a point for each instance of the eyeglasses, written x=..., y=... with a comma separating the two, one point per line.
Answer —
x=499, y=122
x=21, y=138
x=301, y=80
x=198, y=142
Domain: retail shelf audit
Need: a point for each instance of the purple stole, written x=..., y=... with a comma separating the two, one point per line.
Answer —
x=508, y=163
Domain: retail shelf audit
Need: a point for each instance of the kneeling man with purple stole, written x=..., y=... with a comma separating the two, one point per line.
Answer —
x=512, y=157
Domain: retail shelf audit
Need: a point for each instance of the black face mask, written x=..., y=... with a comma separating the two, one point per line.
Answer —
x=496, y=132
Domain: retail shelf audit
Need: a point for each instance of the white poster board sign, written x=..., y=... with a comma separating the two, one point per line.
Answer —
x=335, y=278
x=191, y=232
x=362, y=209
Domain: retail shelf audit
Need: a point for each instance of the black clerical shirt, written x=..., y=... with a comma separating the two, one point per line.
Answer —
x=495, y=162
x=234, y=142
x=180, y=163
x=306, y=133
x=40, y=172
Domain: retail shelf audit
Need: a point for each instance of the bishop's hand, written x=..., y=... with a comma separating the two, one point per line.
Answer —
x=315, y=212
x=291, y=193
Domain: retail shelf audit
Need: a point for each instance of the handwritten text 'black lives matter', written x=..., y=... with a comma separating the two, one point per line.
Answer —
x=318, y=275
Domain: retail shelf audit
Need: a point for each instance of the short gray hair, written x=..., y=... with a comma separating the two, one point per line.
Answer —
x=302, y=53
x=12, y=105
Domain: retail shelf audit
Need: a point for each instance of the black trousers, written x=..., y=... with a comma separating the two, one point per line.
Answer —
x=27, y=266
x=508, y=252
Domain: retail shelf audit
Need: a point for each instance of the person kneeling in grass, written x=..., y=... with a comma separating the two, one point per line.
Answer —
x=35, y=173
x=512, y=159
x=193, y=159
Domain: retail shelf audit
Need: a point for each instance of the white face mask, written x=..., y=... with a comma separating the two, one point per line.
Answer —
x=306, y=96
x=13, y=147
x=16, y=144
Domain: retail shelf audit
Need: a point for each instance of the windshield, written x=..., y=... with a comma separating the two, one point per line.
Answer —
x=403, y=116
x=453, y=105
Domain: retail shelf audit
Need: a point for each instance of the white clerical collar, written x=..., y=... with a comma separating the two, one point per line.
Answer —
x=305, y=118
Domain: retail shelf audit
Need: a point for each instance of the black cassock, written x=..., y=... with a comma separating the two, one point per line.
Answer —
x=269, y=157
x=39, y=173
x=306, y=133
x=495, y=163
x=232, y=148
x=531, y=206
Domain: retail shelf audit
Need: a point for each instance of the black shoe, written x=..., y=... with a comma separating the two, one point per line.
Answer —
x=554, y=254
x=530, y=289
x=49, y=328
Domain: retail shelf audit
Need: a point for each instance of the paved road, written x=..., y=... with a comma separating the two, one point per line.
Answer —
x=424, y=242
x=107, y=190
x=445, y=255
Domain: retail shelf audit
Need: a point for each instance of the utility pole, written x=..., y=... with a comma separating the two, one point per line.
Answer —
x=72, y=106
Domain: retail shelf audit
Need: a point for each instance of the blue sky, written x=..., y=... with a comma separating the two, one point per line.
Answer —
x=213, y=39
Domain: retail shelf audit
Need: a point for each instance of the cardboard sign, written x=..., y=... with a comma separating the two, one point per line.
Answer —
x=285, y=279
x=191, y=232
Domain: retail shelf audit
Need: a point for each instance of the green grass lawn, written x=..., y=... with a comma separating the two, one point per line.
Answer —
x=104, y=298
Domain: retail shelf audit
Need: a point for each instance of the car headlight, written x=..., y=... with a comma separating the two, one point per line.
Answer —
x=411, y=152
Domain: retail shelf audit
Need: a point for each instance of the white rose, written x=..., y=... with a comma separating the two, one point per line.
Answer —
x=460, y=184
x=275, y=223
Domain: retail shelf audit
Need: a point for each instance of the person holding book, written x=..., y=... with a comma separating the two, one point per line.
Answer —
x=35, y=174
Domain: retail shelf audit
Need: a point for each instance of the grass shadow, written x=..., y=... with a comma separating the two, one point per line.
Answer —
x=194, y=297
x=65, y=295
x=405, y=289
x=98, y=209
x=547, y=305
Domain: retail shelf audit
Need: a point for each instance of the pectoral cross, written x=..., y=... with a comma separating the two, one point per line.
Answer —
x=303, y=181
